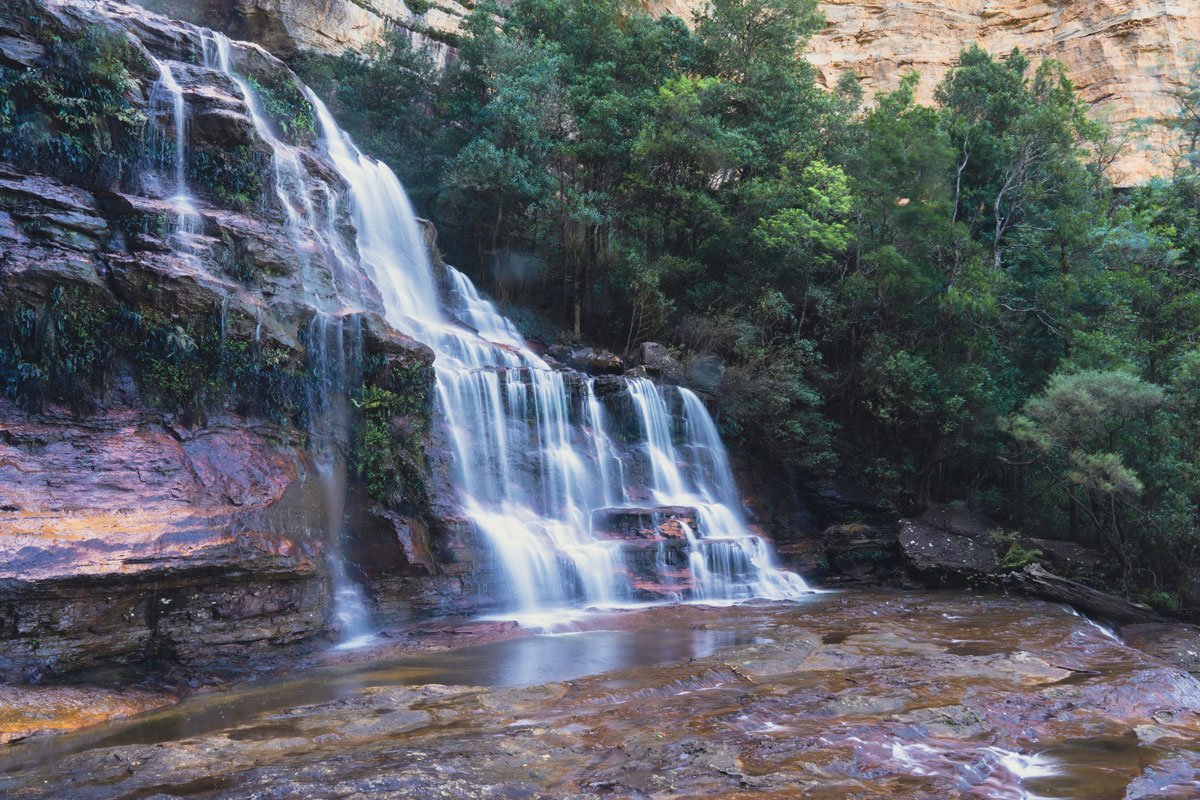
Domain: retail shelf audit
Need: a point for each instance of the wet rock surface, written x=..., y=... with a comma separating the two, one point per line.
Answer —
x=651, y=524
x=137, y=520
x=877, y=694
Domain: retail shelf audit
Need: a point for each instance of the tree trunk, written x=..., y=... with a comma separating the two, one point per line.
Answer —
x=1038, y=582
x=1073, y=511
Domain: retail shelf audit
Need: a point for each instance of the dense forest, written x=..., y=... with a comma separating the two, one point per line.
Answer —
x=947, y=303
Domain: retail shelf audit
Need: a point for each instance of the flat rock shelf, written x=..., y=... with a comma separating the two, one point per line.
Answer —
x=872, y=694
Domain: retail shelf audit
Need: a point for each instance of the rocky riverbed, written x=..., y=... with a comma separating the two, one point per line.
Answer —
x=865, y=694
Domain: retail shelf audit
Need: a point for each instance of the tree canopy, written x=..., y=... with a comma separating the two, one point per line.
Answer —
x=949, y=302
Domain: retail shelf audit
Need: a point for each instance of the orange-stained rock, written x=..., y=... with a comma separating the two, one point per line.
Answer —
x=124, y=535
x=1125, y=56
x=25, y=710
x=652, y=523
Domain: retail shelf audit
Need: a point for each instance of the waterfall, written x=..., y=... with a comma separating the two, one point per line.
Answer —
x=186, y=223
x=534, y=456
x=308, y=205
x=585, y=492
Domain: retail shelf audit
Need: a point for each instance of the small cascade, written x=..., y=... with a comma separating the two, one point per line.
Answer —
x=166, y=97
x=309, y=207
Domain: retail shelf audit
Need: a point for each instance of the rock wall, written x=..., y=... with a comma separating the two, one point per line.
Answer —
x=1125, y=56
x=160, y=489
x=288, y=27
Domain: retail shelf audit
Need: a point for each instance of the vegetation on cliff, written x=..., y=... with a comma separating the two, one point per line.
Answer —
x=948, y=302
x=71, y=112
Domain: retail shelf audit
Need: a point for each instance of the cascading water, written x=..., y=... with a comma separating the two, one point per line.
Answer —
x=186, y=222
x=534, y=458
x=308, y=205
x=539, y=452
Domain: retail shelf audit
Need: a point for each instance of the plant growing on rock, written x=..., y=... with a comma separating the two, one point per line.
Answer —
x=67, y=349
x=71, y=112
x=394, y=406
x=288, y=108
x=231, y=176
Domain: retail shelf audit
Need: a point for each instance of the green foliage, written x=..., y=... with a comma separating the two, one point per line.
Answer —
x=1077, y=421
x=67, y=350
x=287, y=107
x=1012, y=554
x=389, y=442
x=53, y=353
x=231, y=176
x=72, y=114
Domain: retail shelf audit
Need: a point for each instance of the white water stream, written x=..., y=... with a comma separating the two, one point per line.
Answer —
x=535, y=452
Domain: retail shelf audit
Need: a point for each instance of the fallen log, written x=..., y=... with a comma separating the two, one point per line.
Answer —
x=1038, y=582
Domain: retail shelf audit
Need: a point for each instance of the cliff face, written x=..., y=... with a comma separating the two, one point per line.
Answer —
x=287, y=27
x=1125, y=56
x=173, y=452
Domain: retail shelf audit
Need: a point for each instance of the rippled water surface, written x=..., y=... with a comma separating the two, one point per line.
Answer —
x=872, y=695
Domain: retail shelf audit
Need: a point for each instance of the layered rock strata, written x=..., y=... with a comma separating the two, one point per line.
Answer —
x=164, y=411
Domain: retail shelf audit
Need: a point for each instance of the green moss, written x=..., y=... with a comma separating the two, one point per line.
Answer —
x=1160, y=600
x=233, y=177
x=71, y=114
x=54, y=352
x=67, y=349
x=388, y=454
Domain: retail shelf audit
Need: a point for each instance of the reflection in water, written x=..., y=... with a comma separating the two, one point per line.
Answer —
x=515, y=662
x=886, y=695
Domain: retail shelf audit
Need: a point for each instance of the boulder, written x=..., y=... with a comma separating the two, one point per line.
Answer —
x=943, y=556
x=608, y=384
x=1066, y=557
x=650, y=523
x=657, y=362
x=835, y=500
x=959, y=521
x=855, y=552
x=595, y=361
x=706, y=370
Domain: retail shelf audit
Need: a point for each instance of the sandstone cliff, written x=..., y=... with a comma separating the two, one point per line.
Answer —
x=1125, y=56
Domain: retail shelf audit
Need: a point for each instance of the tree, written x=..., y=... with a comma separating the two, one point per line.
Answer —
x=1075, y=429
